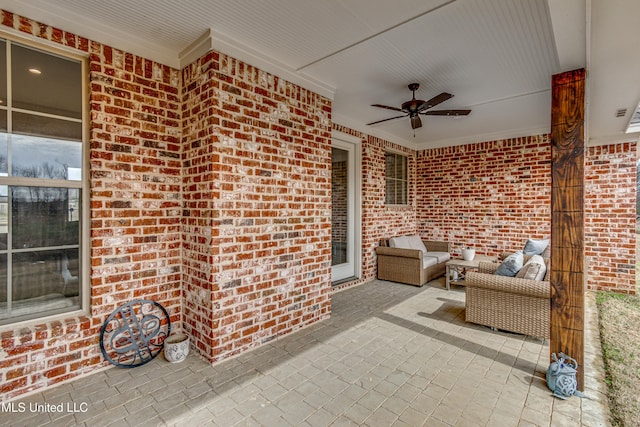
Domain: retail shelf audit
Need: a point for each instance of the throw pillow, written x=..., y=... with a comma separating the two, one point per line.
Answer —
x=534, y=269
x=535, y=247
x=415, y=242
x=408, y=242
x=399, y=242
x=511, y=265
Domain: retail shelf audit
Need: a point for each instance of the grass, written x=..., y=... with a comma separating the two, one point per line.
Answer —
x=620, y=335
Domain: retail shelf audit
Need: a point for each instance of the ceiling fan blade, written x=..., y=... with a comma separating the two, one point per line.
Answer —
x=385, y=120
x=434, y=101
x=416, y=122
x=387, y=107
x=446, y=113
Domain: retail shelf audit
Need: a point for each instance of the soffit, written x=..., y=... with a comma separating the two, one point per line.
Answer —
x=495, y=56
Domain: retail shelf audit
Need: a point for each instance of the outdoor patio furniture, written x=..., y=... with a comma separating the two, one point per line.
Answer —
x=456, y=269
x=410, y=264
x=508, y=303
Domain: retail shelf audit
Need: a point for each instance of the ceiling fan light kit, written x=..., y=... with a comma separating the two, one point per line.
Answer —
x=416, y=107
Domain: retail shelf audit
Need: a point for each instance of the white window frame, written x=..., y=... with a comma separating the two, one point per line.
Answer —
x=387, y=178
x=83, y=185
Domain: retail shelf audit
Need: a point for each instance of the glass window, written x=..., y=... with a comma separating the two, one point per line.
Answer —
x=45, y=83
x=41, y=186
x=397, y=182
x=46, y=158
x=3, y=74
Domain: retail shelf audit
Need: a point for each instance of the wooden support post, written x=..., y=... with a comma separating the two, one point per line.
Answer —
x=567, y=217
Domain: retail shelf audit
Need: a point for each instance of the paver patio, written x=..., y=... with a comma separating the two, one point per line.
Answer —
x=390, y=354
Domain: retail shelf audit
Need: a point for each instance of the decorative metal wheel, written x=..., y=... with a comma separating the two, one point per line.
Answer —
x=134, y=333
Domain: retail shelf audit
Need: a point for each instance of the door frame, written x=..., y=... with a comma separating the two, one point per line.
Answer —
x=353, y=145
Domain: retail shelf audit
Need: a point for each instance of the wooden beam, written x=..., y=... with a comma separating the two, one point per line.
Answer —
x=567, y=217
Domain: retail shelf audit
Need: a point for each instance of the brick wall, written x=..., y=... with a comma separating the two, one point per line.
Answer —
x=257, y=206
x=610, y=217
x=490, y=195
x=247, y=200
x=135, y=178
x=200, y=219
x=494, y=195
x=135, y=211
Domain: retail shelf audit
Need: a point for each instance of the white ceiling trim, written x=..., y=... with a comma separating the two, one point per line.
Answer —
x=335, y=134
x=231, y=47
x=614, y=139
x=195, y=50
x=448, y=142
x=495, y=136
x=375, y=132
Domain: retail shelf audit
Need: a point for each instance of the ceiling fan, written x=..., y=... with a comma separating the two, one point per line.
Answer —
x=414, y=108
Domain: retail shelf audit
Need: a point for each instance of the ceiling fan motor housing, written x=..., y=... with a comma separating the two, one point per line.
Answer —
x=412, y=106
x=416, y=107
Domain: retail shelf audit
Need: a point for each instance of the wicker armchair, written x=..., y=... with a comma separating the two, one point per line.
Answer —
x=406, y=265
x=508, y=303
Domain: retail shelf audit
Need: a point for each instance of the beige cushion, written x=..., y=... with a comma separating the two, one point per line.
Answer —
x=415, y=242
x=408, y=242
x=401, y=242
x=439, y=256
x=534, y=269
x=428, y=261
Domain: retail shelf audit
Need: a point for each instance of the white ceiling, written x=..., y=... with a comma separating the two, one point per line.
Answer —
x=495, y=56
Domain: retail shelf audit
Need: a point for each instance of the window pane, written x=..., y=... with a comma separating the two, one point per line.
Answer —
x=3, y=154
x=390, y=188
x=56, y=89
x=3, y=284
x=339, y=205
x=42, y=281
x=4, y=217
x=402, y=193
x=41, y=138
x=47, y=158
x=402, y=167
x=396, y=179
x=3, y=74
x=391, y=165
x=74, y=204
x=40, y=217
x=31, y=124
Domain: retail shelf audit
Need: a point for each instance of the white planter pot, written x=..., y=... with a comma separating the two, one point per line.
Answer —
x=176, y=348
x=468, y=254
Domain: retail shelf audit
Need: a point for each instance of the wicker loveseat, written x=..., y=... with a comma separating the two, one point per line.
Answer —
x=412, y=266
x=508, y=303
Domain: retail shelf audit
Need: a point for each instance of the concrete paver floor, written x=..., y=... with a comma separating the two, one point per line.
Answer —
x=390, y=355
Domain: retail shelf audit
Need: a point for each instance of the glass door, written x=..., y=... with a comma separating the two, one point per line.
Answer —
x=343, y=211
